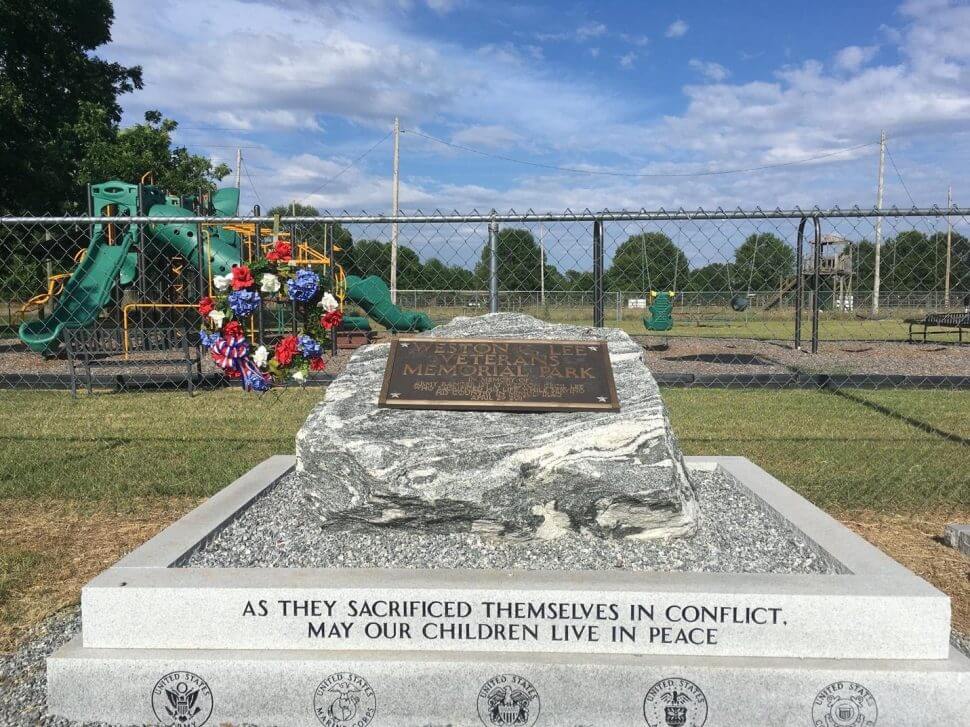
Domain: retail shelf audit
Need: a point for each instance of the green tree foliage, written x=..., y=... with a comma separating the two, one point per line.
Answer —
x=761, y=262
x=576, y=281
x=518, y=257
x=713, y=277
x=317, y=233
x=911, y=261
x=648, y=261
x=52, y=88
x=128, y=154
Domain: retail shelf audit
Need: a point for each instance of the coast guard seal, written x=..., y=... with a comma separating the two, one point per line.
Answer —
x=675, y=702
x=508, y=700
x=844, y=704
x=182, y=699
x=344, y=699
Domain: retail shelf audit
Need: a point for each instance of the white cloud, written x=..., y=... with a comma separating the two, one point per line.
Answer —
x=853, y=57
x=627, y=60
x=491, y=135
x=709, y=69
x=590, y=30
x=677, y=29
x=637, y=40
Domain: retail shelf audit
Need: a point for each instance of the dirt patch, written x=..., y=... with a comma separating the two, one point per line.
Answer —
x=725, y=356
x=915, y=541
x=52, y=548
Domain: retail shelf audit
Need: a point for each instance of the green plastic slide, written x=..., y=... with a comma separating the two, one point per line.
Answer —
x=85, y=293
x=185, y=238
x=374, y=297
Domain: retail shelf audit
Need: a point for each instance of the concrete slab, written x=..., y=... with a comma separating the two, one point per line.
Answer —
x=296, y=688
x=875, y=609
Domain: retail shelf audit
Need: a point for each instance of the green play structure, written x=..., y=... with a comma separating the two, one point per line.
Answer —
x=120, y=255
x=374, y=297
x=661, y=312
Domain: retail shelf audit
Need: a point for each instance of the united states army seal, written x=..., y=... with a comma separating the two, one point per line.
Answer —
x=344, y=699
x=844, y=704
x=182, y=699
x=508, y=700
x=675, y=702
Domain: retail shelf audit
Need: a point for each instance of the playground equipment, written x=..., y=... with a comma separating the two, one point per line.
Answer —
x=661, y=311
x=168, y=265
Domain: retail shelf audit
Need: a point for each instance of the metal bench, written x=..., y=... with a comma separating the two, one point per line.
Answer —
x=107, y=347
x=946, y=322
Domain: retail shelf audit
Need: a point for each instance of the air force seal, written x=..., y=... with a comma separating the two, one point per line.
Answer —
x=675, y=702
x=844, y=704
x=508, y=700
x=182, y=699
x=344, y=700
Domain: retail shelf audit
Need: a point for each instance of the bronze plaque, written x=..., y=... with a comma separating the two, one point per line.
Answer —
x=498, y=374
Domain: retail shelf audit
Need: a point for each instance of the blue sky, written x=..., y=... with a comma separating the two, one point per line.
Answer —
x=636, y=88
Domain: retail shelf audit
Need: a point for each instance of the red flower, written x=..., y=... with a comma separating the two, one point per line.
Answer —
x=232, y=328
x=317, y=364
x=206, y=306
x=282, y=252
x=241, y=278
x=331, y=319
x=232, y=373
x=286, y=350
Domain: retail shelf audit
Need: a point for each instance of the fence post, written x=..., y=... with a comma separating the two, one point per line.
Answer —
x=816, y=282
x=598, y=273
x=493, y=267
x=799, y=283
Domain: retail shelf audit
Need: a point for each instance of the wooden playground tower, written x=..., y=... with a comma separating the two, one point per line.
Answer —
x=835, y=270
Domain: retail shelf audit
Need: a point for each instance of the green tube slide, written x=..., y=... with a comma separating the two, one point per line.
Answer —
x=85, y=293
x=186, y=238
x=374, y=297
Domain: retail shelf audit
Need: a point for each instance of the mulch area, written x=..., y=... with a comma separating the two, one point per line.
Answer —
x=720, y=356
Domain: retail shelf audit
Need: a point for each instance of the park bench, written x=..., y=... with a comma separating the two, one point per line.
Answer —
x=135, y=360
x=944, y=322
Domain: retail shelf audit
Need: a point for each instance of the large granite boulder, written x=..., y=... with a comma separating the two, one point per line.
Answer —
x=520, y=475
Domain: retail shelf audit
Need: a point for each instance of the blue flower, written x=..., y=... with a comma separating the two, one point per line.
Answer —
x=303, y=286
x=309, y=347
x=244, y=302
x=208, y=339
x=255, y=382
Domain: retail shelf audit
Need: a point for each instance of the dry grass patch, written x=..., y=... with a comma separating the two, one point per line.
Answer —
x=50, y=548
x=915, y=541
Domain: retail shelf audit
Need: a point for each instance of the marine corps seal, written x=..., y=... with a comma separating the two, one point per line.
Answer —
x=182, y=699
x=844, y=704
x=675, y=702
x=344, y=700
x=508, y=700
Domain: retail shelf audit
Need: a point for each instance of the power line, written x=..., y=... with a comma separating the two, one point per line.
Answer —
x=336, y=176
x=573, y=170
x=252, y=184
x=893, y=162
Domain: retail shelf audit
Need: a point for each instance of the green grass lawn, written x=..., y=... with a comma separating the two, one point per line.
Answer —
x=840, y=450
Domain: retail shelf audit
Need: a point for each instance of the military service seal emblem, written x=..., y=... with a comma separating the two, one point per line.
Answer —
x=182, y=699
x=675, y=702
x=844, y=704
x=344, y=699
x=508, y=700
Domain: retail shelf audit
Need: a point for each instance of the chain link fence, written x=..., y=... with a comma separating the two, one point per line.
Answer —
x=696, y=287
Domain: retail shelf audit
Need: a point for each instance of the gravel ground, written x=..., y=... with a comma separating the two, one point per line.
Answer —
x=735, y=535
x=740, y=356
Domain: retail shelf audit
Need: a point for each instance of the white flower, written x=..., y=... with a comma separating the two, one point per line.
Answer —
x=328, y=303
x=260, y=356
x=222, y=282
x=299, y=376
x=269, y=283
x=217, y=317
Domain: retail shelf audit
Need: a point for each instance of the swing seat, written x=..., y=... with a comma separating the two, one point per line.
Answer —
x=661, y=313
x=740, y=303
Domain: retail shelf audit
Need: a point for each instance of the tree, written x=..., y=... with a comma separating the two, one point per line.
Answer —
x=317, y=234
x=518, y=257
x=761, y=262
x=130, y=153
x=715, y=277
x=52, y=89
x=648, y=261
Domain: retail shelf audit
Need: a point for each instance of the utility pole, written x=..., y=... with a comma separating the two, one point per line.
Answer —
x=542, y=267
x=395, y=198
x=875, y=275
x=949, y=246
x=238, y=166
